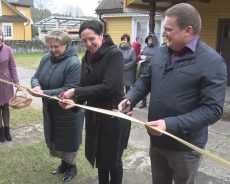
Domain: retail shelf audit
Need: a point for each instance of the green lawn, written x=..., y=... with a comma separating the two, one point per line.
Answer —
x=32, y=164
x=32, y=60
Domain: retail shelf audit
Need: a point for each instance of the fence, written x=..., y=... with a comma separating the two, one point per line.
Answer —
x=33, y=46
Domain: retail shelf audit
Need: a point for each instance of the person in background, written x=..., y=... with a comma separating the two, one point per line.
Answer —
x=101, y=86
x=59, y=70
x=187, y=80
x=137, y=47
x=8, y=72
x=145, y=57
x=129, y=56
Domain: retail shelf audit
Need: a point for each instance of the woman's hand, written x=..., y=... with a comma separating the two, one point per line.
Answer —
x=68, y=94
x=35, y=91
x=125, y=107
x=66, y=103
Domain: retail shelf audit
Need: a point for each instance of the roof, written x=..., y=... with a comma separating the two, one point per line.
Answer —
x=110, y=6
x=10, y=18
x=29, y=3
x=18, y=17
x=61, y=22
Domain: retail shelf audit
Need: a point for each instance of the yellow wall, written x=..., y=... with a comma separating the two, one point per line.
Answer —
x=117, y=26
x=210, y=13
x=6, y=10
x=22, y=31
x=28, y=29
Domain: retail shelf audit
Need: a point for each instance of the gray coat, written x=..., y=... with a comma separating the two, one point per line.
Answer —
x=129, y=56
x=62, y=128
x=188, y=95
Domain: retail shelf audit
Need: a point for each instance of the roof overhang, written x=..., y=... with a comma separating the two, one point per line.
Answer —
x=160, y=4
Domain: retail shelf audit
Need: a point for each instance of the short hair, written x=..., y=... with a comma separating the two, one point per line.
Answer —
x=125, y=36
x=94, y=25
x=58, y=35
x=186, y=15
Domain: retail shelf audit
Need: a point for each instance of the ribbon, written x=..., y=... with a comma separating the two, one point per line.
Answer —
x=118, y=114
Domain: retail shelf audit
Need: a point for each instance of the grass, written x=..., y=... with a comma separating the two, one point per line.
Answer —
x=32, y=60
x=32, y=164
x=25, y=116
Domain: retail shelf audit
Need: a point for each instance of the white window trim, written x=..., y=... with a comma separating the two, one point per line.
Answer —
x=143, y=18
x=12, y=30
x=0, y=8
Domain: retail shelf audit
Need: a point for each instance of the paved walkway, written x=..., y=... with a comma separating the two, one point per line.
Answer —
x=137, y=164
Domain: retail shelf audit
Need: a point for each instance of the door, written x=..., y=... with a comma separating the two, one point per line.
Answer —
x=224, y=42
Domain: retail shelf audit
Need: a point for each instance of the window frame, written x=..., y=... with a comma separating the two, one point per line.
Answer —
x=12, y=31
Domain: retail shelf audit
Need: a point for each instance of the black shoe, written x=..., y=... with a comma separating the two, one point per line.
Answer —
x=142, y=106
x=61, y=168
x=2, y=135
x=70, y=173
x=7, y=134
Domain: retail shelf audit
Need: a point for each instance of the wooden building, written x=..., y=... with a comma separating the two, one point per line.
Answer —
x=15, y=19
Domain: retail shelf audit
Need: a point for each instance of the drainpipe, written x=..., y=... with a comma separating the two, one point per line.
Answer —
x=104, y=22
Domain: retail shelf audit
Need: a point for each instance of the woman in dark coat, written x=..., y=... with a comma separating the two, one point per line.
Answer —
x=129, y=56
x=59, y=71
x=101, y=86
x=7, y=72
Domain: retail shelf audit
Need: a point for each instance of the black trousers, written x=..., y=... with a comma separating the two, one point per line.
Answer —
x=111, y=176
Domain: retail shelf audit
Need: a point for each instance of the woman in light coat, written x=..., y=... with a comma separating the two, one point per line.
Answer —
x=7, y=72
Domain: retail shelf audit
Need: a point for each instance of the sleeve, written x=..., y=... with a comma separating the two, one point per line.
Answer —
x=72, y=79
x=112, y=78
x=132, y=61
x=212, y=93
x=34, y=80
x=12, y=67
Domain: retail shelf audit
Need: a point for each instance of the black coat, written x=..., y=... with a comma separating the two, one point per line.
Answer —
x=188, y=95
x=102, y=86
x=62, y=128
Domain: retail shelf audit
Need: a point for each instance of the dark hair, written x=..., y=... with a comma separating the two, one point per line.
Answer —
x=125, y=36
x=94, y=25
x=186, y=15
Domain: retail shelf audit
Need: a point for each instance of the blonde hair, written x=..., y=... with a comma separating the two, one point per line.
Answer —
x=58, y=35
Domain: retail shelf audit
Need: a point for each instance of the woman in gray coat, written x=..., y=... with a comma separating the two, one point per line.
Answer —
x=59, y=71
x=129, y=56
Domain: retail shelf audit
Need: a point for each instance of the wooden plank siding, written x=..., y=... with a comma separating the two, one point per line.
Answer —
x=28, y=28
x=117, y=26
x=210, y=14
x=19, y=31
x=6, y=10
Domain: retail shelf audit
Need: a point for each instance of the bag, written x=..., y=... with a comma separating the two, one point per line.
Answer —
x=19, y=101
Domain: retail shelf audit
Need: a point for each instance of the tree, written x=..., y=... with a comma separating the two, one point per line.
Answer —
x=43, y=7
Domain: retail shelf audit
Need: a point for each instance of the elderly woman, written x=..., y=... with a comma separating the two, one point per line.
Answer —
x=129, y=56
x=59, y=70
x=101, y=86
x=7, y=72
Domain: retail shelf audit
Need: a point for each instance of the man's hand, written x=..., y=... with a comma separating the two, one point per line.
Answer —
x=125, y=107
x=66, y=103
x=68, y=94
x=159, y=125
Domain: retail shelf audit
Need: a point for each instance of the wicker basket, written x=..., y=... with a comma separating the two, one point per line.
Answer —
x=19, y=101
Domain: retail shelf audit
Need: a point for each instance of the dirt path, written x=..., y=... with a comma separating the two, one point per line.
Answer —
x=24, y=135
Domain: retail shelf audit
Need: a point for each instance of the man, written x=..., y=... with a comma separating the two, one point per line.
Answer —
x=187, y=82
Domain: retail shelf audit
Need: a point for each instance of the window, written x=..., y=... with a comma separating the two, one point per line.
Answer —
x=7, y=30
x=0, y=8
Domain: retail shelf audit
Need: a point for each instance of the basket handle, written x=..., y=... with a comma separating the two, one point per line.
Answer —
x=19, y=90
